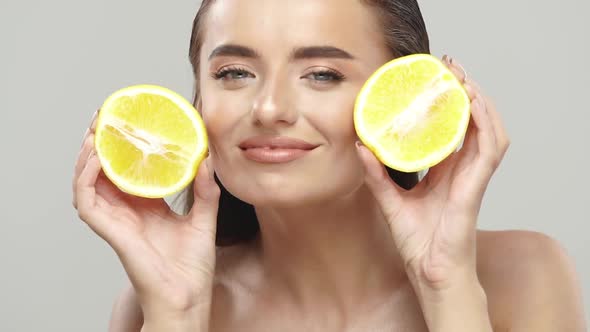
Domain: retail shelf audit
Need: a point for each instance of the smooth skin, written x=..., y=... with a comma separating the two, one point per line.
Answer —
x=341, y=247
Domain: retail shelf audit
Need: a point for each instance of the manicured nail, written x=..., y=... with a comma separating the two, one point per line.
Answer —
x=458, y=65
x=86, y=133
x=91, y=154
x=93, y=118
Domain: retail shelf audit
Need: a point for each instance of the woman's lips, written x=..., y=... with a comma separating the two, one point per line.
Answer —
x=275, y=149
x=274, y=156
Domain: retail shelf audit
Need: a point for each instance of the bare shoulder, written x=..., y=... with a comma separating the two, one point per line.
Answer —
x=530, y=281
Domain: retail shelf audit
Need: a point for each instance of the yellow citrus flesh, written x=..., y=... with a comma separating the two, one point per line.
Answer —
x=149, y=140
x=412, y=113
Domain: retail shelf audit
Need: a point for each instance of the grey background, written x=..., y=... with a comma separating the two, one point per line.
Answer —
x=60, y=59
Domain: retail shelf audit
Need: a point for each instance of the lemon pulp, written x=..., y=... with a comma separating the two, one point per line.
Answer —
x=149, y=140
x=412, y=113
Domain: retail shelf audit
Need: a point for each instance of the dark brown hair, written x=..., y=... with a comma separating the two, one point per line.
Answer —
x=405, y=34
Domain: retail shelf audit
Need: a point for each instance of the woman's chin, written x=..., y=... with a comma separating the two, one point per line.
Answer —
x=290, y=197
x=295, y=190
x=282, y=199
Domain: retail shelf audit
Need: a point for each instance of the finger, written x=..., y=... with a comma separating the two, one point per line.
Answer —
x=203, y=214
x=386, y=192
x=486, y=138
x=440, y=173
x=81, y=163
x=90, y=209
x=92, y=127
x=456, y=68
x=85, y=191
x=86, y=200
x=471, y=89
x=87, y=148
x=502, y=139
x=469, y=149
x=93, y=120
x=86, y=143
x=473, y=83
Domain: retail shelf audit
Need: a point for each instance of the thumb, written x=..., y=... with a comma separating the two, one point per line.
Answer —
x=386, y=191
x=203, y=213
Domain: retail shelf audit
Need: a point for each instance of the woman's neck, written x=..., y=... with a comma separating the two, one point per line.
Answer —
x=339, y=254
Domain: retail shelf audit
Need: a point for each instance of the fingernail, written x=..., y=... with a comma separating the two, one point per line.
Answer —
x=456, y=64
x=358, y=144
x=85, y=137
x=460, y=66
x=93, y=118
x=445, y=59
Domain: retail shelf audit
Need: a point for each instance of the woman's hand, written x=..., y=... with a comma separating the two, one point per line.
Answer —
x=169, y=258
x=434, y=224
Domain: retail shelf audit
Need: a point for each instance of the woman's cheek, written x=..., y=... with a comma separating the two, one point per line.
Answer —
x=217, y=115
x=336, y=116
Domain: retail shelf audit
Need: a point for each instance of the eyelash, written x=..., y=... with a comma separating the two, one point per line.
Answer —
x=224, y=72
x=335, y=76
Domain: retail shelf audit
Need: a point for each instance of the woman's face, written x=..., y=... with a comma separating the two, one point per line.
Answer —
x=278, y=82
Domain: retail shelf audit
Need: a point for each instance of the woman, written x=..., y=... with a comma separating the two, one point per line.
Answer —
x=328, y=240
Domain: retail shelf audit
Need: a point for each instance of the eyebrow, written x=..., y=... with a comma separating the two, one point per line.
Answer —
x=320, y=52
x=234, y=50
x=301, y=53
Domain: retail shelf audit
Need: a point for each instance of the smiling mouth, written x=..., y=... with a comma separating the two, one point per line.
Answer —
x=275, y=149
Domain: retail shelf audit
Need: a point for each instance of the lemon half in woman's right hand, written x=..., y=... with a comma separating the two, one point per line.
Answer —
x=150, y=140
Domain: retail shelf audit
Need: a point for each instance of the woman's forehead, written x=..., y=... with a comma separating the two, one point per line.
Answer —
x=261, y=24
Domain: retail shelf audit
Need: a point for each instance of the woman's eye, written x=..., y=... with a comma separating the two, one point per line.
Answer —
x=326, y=76
x=232, y=74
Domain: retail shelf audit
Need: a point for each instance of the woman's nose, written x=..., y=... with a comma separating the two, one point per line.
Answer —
x=273, y=107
